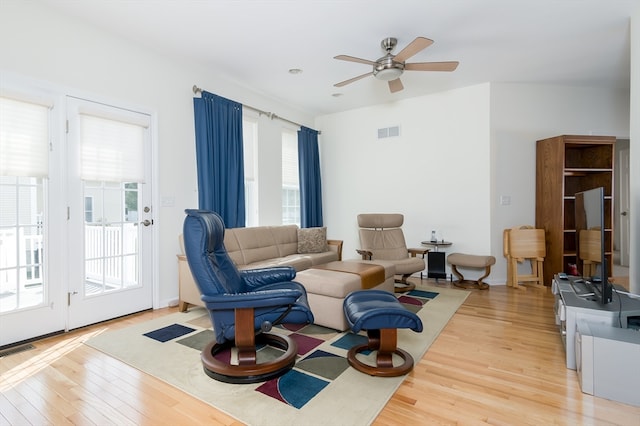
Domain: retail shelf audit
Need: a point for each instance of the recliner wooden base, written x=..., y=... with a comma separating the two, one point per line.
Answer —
x=403, y=285
x=248, y=370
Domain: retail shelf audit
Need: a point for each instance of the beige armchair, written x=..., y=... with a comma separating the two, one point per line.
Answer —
x=381, y=238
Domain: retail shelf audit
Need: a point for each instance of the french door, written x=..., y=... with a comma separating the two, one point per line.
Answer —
x=31, y=227
x=75, y=213
x=110, y=216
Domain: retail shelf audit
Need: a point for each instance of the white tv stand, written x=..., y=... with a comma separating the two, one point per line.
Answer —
x=599, y=342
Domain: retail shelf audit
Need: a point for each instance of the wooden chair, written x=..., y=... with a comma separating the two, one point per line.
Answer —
x=505, y=253
x=590, y=251
x=520, y=244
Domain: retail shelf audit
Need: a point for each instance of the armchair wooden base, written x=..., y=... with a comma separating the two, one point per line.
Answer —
x=402, y=285
x=248, y=370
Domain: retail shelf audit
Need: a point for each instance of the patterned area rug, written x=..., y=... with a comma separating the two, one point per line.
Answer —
x=322, y=389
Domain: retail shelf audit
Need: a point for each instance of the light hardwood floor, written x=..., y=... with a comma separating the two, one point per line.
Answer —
x=498, y=361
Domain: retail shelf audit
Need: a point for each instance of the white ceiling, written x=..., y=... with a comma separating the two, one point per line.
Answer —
x=255, y=43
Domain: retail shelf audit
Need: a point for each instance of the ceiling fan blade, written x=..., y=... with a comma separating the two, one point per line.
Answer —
x=395, y=85
x=351, y=80
x=412, y=48
x=354, y=59
x=432, y=66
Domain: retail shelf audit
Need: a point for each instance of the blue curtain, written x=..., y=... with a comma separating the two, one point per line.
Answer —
x=219, y=157
x=310, y=183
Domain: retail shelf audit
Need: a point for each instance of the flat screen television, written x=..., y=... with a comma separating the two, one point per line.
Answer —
x=590, y=241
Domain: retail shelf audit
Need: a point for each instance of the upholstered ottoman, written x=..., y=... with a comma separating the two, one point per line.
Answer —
x=327, y=288
x=381, y=315
x=470, y=261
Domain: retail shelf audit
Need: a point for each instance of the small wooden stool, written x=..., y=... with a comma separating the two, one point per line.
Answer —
x=381, y=314
x=470, y=261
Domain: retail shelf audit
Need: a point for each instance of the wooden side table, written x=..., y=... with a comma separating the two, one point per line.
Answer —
x=435, y=259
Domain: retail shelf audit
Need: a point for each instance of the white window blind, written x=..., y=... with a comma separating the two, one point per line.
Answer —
x=24, y=138
x=290, y=177
x=111, y=150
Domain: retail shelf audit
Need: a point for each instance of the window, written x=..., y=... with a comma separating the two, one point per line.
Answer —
x=88, y=209
x=250, y=148
x=290, y=179
x=112, y=150
x=112, y=168
x=24, y=168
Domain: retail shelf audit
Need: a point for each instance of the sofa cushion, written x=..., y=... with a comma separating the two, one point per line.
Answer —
x=297, y=262
x=312, y=240
x=320, y=258
x=286, y=238
x=233, y=246
x=256, y=244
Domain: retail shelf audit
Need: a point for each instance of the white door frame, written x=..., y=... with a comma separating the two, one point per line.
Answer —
x=625, y=219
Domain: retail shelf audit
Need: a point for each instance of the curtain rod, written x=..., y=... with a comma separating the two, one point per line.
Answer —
x=271, y=115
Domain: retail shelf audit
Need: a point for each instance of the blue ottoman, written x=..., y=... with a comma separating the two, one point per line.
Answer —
x=381, y=315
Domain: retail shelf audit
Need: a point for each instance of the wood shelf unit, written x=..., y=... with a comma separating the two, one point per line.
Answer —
x=565, y=165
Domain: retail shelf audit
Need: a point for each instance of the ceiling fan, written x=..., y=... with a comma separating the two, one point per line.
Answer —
x=390, y=67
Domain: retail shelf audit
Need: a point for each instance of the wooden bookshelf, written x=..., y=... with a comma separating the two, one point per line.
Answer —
x=565, y=165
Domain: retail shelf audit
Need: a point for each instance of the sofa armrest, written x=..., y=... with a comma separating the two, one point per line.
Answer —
x=336, y=245
x=366, y=254
x=418, y=251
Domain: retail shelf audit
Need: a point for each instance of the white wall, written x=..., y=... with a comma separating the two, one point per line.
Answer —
x=40, y=44
x=521, y=115
x=634, y=261
x=459, y=151
x=436, y=173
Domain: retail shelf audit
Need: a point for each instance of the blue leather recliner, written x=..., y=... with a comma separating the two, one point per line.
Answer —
x=243, y=305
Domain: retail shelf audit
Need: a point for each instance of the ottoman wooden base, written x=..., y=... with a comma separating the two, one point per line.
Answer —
x=385, y=342
x=470, y=261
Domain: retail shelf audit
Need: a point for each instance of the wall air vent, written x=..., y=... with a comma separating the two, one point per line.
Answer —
x=388, y=132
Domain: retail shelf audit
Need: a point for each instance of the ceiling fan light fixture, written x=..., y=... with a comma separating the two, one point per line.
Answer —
x=388, y=74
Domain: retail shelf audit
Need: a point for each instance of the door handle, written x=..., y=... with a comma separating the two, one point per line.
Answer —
x=147, y=222
x=623, y=213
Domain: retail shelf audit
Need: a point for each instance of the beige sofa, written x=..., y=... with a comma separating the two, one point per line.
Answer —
x=264, y=246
